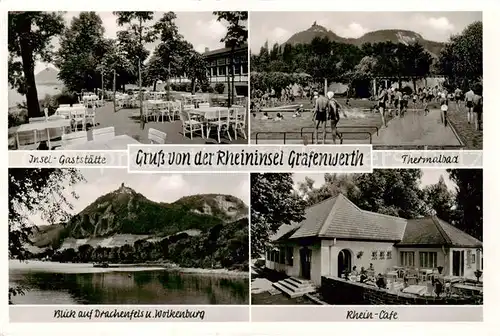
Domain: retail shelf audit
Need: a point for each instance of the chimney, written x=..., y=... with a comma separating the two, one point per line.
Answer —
x=206, y=49
x=123, y=185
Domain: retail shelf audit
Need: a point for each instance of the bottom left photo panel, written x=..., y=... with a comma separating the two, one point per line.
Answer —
x=107, y=237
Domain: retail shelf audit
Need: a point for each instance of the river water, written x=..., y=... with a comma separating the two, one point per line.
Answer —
x=56, y=283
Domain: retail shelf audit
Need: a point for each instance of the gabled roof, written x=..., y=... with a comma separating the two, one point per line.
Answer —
x=434, y=231
x=338, y=217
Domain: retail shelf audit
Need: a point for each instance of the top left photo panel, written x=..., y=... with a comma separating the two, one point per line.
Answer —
x=104, y=80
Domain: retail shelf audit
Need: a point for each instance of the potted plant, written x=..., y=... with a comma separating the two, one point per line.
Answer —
x=440, y=269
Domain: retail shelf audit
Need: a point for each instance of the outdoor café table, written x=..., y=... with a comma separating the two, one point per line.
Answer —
x=40, y=126
x=66, y=111
x=201, y=111
x=119, y=142
x=468, y=288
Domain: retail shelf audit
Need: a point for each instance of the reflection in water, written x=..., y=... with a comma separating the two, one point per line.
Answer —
x=144, y=287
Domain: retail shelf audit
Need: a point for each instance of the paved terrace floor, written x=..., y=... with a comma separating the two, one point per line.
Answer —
x=417, y=129
x=127, y=121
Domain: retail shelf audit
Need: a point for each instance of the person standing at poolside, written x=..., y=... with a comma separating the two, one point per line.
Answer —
x=334, y=116
x=469, y=104
x=319, y=116
x=478, y=109
x=382, y=101
x=397, y=102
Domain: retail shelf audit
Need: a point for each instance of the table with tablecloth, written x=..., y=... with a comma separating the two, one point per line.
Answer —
x=119, y=142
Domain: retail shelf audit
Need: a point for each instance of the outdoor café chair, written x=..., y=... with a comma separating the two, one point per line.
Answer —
x=222, y=123
x=78, y=117
x=37, y=119
x=156, y=137
x=27, y=140
x=90, y=117
x=238, y=120
x=106, y=133
x=74, y=138
x=190, y=125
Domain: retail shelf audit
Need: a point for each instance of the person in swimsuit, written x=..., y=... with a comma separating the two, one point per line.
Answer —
x=397, y=103
x=334, y=116
x=444, y=109
x=469, y=104
x=404, y=104
x=478, y=109
x=319, y=116
x=382, y=99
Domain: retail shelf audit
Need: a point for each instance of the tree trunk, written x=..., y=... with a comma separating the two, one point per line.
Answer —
x=143, y=120
x=29, y=73
x=231, y=65
x=168, y=82
x=114, y=90
x=193, y=86
x=154, y=86
x=414, y=85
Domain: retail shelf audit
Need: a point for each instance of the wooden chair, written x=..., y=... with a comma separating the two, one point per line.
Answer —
x=27, y=140
x=222, y=123
x=90, y=117
x=37, y=119
x=106, y=133
x=238, y=121
x=74, y=138
x=78, y=117
x=190, y=125
x=156, y=137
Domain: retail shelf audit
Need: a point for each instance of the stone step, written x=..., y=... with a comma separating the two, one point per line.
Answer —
x=292, y=291
x=300, y=281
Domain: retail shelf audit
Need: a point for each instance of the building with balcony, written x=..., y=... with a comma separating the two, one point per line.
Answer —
x=218, y=63
x=219, y=68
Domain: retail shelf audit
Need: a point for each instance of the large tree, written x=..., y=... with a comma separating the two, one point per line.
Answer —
x=461, y=60
x=41, y=191
x=81, y=53
x=469, y=200
x=168, y=55
x=29, y=40
x=333, y=186
x=138, y=33
x=441, y=200
x=273, y=203
x=391, y=191
x=196, y=69
x=236, y=36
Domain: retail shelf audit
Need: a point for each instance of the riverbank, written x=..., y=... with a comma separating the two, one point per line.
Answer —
x=57, y=267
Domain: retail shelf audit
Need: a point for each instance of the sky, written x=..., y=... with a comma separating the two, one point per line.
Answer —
x=278, y=27
x=429, y=176
x=156, y=187
x=199, y=28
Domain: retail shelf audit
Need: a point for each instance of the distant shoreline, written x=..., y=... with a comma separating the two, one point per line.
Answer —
x=163, y=265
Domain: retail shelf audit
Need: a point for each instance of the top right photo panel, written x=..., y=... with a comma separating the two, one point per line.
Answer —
x=396, y=80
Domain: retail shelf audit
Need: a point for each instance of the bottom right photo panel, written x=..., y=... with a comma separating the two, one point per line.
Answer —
x=391, y=237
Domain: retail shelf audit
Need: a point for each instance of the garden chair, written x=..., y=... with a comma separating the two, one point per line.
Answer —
x=190, y=125
x=74, y=138
x=222, y=123
x=102, y=134
x=156, y=137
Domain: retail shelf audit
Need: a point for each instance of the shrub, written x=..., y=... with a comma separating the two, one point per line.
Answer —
x=219, y=88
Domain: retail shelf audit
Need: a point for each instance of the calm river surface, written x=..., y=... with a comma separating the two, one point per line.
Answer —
x=56, y=283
